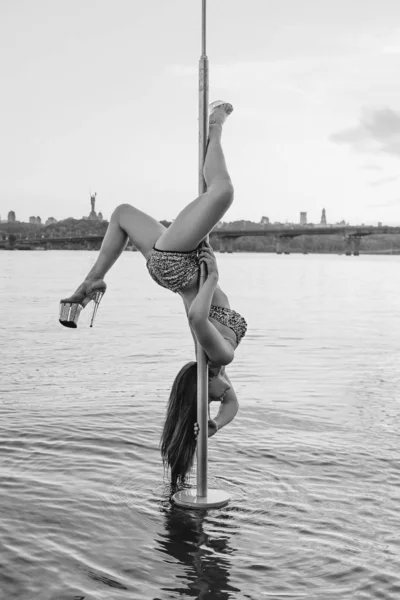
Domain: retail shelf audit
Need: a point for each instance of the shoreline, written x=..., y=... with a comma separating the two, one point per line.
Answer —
x=131, y=249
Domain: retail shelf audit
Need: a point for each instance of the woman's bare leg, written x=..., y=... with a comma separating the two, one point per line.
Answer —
x=215, y=169
x=114, y=242
x=199, y=217
x=189, y=228
x=126, y=222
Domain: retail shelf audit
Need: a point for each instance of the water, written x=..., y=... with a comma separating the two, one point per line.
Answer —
x=311, y=460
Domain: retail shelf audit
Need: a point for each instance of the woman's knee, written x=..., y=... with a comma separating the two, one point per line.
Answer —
x=224, y=191
x=121, y=211
x=230, y=192
x=123, y=208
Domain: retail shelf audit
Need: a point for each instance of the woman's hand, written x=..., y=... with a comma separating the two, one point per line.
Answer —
x=212, y=428
x=207, y=256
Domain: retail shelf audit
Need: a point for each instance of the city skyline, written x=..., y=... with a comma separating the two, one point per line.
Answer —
x=303, y=218
x=105, y=97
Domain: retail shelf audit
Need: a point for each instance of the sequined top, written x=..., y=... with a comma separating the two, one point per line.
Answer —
x=230, y=318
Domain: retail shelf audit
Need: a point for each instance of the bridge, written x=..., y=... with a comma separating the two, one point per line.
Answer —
x=352, y=235
x=283, y=234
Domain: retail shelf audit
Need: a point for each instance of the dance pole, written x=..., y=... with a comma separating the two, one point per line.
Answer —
x=201, y=496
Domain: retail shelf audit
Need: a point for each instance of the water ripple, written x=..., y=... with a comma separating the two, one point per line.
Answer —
x=311, y=461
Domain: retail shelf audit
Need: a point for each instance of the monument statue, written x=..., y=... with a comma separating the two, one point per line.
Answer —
x=93, y=200
x=93, y=216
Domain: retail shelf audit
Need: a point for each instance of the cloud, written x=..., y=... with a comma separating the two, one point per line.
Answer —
x=384, y=180
x=378, y=132
x=386, y=204
x=372, y=167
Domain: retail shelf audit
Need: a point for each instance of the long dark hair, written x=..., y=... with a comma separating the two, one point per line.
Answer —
x=178, y=443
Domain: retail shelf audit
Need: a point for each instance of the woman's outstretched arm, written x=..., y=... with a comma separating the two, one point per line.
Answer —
x=228, y=409
x=226, y=413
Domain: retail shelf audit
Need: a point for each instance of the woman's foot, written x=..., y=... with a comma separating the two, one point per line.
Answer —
x=219, y=111
x=84, y=292
x=70, y=308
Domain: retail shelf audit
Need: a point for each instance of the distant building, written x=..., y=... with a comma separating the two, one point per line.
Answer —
x=11, y=217
x=323, y=217
x=100, y=216
x=38, y=220
x=264, y=221
x=303, y=218
x=379, y=223
x=51, y=220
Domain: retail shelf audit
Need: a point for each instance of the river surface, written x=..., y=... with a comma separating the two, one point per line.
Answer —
x=312, y=460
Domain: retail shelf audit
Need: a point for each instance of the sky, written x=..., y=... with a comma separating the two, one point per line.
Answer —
x=102, y=96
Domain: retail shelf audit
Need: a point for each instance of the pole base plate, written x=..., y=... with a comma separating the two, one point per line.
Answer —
x=188, y=499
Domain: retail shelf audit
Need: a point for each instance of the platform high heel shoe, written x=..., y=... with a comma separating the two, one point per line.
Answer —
x=70, y=308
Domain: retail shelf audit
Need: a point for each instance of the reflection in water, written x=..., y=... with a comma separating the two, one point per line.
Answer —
x=204, y=556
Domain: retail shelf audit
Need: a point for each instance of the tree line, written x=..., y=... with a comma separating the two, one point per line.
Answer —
x=335, y=244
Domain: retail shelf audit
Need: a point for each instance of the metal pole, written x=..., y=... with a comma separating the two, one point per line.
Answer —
x=202, y=497
x=202, y=367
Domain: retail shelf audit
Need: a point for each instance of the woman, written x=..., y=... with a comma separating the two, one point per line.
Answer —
x=173, y=257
